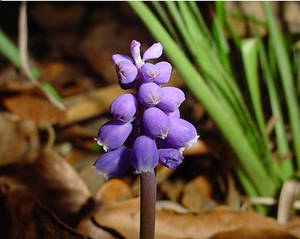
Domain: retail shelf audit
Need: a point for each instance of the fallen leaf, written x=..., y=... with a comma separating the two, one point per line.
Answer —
x=115, y=190
x=19, y=141
x=123, y=217
x=57, y=184
x=33, y=108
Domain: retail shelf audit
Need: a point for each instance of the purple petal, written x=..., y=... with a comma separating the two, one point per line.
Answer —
x=153, y=52
x=156, y=123
x=113, y=163
x=182, y=134
x=170, y=158
x=150, y=72
x=124, y=107
x=135, y=49
x=149, y=94
x=117, y=58
x=144, y=154
x=127, y=72
x=174, y=114
x=171, y=99
x=113, y=134
x=165, y=70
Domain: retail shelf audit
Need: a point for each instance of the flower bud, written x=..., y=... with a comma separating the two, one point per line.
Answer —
x=170, y=158
x=124, y=107
x=113, y=134
x=150, y=72
x=144, y=154
x=127, y=72
x=149, y=94
x=113, y=163
x=117, y=58
x=171, y=99
x=156, y=123
x=135, y=50
x=182, y=134
x=153, y=52
x=165, y=70
x=174, y=114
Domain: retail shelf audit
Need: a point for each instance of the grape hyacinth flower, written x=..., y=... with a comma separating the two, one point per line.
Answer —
x=146, y=128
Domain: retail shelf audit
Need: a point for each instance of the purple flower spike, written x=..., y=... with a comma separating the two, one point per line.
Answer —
x=165, y=70
x=117, y=58
x=113, y=134
x=182, y=134
x=153, y=52
x=127, y=72
x=113, y=163
x=149, y=94
x=135, y=50
x=156, y=123
x=171, y=100
x=144, y=154
x=174, y=114
x=170, y=158
x=150, y=72
x=124, y=107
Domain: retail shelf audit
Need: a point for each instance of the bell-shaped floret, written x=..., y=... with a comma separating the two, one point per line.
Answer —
x=117, y=58
x=170, y=157
x=156, y=123
x=113, y=134
x=165, y=70
x=113, y=163
x=124, y=107
x=149, y=94
x=174, y=114
x=150, y=73
x=171, y=99
x=153, y=52
x=127, y=72
x=144, y=154
x=182, y=134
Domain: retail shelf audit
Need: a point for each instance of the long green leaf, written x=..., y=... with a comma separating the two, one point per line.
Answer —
x=281, y=138
x=287, y=80
x=249, y=55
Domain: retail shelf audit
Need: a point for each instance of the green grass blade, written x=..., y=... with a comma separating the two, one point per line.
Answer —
x=11, y=52
x=250, y=190
x=249, y=56
x=281, y=138
x=197, y=85
x=285, y=71
x=201, y=23
x=164, y=17
x=213, y=69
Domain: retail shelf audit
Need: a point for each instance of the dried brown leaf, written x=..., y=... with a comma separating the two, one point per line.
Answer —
x=57, y=184
x=36, y=221
x=123, y=217
x=33, y=108
x=19, y=141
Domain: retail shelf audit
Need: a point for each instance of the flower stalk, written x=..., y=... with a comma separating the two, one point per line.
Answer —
x=147, y=205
